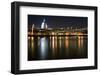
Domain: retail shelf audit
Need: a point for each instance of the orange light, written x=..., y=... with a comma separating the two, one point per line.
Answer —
x=67, y=42
x=67, y=33
x=53, y=33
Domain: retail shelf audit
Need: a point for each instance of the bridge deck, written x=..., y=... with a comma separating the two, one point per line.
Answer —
x=58, y=35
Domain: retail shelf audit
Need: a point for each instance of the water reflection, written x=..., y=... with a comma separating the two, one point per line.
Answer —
x=43, y=47
x=57, y=47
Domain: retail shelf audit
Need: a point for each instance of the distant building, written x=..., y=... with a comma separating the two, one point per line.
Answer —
x=44, y=25
x=33, y=26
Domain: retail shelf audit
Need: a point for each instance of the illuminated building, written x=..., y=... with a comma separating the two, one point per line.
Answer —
x=44, y=25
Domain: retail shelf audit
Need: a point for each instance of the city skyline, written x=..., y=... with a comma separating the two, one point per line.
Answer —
x=57, y=21
x=57, y=37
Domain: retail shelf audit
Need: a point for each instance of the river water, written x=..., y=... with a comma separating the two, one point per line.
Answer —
x=57, y=47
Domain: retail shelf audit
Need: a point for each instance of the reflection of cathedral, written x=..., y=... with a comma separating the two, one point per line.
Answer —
x=44, y=25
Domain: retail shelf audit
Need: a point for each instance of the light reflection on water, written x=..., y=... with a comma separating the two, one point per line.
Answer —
x=62, y=47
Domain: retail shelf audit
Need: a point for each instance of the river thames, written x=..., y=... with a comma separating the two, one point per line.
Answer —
x=57, y=47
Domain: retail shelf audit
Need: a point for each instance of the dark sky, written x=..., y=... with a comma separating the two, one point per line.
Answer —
x=57, y=21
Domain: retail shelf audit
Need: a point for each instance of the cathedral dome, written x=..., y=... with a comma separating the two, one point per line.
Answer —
x=43, y=25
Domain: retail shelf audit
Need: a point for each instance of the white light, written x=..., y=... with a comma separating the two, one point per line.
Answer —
x=43, y=47
x=42, y=26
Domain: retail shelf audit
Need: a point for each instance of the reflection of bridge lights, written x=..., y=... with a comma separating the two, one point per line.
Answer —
x=79, y=37
x=60, y=37
x=32, y=45
x=50, y=37
x=56, y=38
x=80, y=41
x=43, y=47
x=60, y=43
x=32, y=38
x=43, y=44
x=53, y=37
x=67, y=42
x=53, y=42
x=38, y=38
x=66, y=37
x=56, y=42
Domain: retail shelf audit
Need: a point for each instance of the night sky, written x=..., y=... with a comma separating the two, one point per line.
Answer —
x=57, y=21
